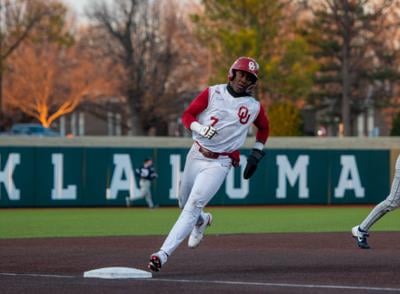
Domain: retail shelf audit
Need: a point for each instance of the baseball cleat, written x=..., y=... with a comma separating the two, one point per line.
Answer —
x=157, y=260
x=198, y=232
x=361, y=237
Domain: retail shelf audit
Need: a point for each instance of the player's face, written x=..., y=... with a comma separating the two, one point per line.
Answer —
x=242, y=81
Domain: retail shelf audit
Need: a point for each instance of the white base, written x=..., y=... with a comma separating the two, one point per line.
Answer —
x=117, y=273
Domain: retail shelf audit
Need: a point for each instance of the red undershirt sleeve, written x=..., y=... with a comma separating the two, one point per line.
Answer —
x=262, y=124
x=197, y=106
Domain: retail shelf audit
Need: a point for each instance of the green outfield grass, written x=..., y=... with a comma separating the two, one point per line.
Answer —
x=70, y=222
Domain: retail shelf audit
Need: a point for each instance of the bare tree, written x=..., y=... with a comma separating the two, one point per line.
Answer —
x=141, y=36
x=182, y=74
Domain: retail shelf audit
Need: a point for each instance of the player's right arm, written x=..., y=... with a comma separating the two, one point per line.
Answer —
x=189, y=117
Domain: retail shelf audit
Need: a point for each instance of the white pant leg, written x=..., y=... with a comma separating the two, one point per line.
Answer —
x=145, y=189
x=390, y=203
x=210, y=176
x=145, y=192
x=188, y=176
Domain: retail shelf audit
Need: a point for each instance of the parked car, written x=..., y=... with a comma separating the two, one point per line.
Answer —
x=32, y=129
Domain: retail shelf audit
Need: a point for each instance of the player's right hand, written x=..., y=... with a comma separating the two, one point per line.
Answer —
x=208, y=132
x=205, y=131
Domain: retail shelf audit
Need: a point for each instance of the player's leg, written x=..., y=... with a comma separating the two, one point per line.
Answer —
x=390, y=203
x=147, y=193
x=188, y=177
x=205, y=219
x=189, y=174
x=142, y=190
x=202, y=218
x=209, y=179
x=207, y=183
x=191, y=169
x=131, y=198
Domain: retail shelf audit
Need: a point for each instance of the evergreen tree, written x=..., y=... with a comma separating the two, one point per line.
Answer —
x=396, y=126
x=358, y=63
x=262, y=29
x=285, y=119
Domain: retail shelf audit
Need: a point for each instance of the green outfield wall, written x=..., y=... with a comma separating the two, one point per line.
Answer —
x=86, y=175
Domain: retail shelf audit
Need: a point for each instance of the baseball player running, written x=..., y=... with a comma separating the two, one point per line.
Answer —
x=147, y=174
x=360, y=232
x=219, y=118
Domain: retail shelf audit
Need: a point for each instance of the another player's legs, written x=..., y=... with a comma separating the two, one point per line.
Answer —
x=142, y=192
x=360, y=236
x=146, y=192
x=149, y=200
x=360, y=232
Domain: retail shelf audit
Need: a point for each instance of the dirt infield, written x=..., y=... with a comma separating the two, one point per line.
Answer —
x=262, y=263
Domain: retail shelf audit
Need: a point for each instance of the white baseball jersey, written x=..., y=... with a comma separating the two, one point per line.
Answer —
x=230, y=116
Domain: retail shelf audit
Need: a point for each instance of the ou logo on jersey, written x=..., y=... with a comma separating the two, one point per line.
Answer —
x=243, y=115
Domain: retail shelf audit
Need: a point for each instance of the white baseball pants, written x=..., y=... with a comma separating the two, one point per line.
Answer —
x=202, y=177
x=390, y=203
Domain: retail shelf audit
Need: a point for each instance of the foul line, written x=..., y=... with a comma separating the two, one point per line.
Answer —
x=278, y=284
x=37, y=275
x=283, y=285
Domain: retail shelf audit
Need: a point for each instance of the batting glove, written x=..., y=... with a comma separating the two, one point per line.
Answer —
x=206, y=131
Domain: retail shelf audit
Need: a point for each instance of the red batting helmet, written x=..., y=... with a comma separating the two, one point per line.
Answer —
x=246, y=64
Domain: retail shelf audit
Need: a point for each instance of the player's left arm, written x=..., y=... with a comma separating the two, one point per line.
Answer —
x=257, y=153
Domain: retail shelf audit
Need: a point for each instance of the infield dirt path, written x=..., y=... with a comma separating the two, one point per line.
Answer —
x=253, y=263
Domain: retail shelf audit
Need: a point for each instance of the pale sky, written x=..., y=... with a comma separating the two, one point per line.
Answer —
x=79, y=5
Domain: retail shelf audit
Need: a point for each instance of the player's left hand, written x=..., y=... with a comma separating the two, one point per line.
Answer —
x=252, y=161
